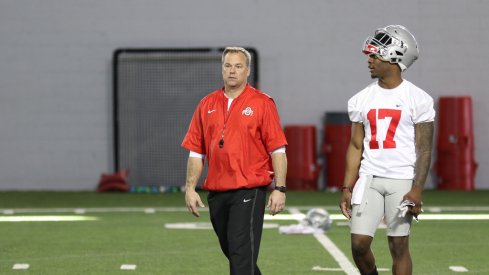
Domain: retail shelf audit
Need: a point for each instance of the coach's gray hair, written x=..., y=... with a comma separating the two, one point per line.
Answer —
x=237, y=50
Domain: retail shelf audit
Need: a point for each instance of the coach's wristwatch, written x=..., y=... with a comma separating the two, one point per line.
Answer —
x=282, y=189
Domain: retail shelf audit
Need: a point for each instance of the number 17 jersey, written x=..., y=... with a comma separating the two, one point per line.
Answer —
x=389, y=117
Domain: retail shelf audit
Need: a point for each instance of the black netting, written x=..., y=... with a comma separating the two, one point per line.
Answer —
x=156, y=92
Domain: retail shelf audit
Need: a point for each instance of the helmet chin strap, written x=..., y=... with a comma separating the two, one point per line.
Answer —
x=402, y=66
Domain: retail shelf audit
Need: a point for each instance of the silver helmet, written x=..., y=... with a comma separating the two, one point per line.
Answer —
x=394, y=44
x=318, y=218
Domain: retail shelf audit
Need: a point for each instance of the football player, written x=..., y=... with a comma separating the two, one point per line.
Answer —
x=389, y=154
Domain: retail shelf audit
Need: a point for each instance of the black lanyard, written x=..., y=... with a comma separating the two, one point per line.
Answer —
x=226, y=117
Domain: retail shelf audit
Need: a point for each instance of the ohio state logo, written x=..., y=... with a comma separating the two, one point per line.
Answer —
x=370, y=49
x=247, y=111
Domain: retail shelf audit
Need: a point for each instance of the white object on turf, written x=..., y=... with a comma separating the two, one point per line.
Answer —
x=298, y=229
x=21, y=266
x=206, y=225
x=128, y=267
x=458, y=269
x=80, y=211
x=8, y=212
x=149, y=210
x=318, y=218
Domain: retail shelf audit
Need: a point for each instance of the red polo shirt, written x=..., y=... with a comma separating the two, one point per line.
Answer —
x=250, y=130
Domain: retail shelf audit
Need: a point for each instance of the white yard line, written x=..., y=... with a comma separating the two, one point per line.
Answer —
x=337, y=254
x=434, y=208
x=292, y=216
x=11, y=211
x=46, y=218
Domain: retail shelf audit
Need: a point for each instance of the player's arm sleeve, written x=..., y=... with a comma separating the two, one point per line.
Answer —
x=354, y=110
x=193, y=154
x=194, y=139
x=423, y=110
x=272, y=132
x=278, y=150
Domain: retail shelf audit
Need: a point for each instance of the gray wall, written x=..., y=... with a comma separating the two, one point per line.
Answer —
x=55, y=67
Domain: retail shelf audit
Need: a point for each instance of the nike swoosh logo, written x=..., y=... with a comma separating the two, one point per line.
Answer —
x=211, y=111
x=246, y=200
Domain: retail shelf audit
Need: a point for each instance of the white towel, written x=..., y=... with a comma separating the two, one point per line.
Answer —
x=298, y=229
x=360, y=190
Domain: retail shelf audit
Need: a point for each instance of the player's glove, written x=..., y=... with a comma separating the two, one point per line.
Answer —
x=404, y=208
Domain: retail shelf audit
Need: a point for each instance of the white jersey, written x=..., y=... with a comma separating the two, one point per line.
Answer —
x=389, y=117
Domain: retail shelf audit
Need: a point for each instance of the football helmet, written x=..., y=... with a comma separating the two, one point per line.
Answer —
x=318, y=218
x=394, y=44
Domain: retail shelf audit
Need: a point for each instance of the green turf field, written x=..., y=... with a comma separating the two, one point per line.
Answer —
x=129, y=229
